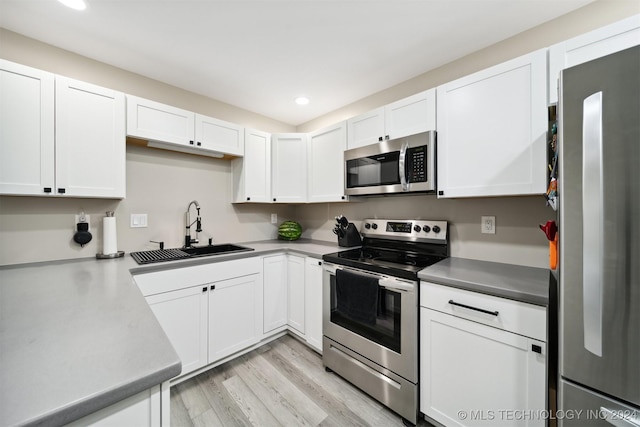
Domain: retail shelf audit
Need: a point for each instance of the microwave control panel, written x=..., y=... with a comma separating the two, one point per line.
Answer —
x=417, y=164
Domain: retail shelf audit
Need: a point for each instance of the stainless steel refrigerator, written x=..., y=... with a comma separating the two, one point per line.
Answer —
x=599, y=241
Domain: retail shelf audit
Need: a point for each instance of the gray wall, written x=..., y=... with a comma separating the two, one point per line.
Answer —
x=161, y=183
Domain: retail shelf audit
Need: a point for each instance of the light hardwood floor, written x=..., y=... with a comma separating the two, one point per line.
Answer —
x=282, y=383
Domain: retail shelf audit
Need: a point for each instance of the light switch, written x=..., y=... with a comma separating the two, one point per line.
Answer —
x=138, y=220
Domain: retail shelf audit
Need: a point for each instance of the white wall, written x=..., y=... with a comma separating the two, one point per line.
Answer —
x=518, y=240
x=159, y=183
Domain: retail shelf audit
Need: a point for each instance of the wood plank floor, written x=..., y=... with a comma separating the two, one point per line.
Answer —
x=282, y=383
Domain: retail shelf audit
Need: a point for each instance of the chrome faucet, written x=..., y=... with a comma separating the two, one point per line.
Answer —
x=188, y=241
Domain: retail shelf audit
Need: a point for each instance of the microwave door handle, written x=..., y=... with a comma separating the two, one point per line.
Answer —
x=401, y=166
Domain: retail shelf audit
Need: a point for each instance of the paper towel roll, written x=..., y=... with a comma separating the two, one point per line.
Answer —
x=110, y=239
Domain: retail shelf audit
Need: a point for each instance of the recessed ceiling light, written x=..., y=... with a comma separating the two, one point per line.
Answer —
x=74, y=4
x=302, y=100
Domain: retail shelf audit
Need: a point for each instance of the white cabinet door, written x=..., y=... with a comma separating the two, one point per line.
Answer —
x=218, y=135
x=90, y=140
x=252, y=173
x=289, y=167
x=275, y=292
x=26, y=130
x=484, y=373
x=326, y=163
x=234, y=315
x=183, y=317
x=365, y=129
x=295, y=292
x=141, y=410
x=595, y=44
x=313, y=302
x=492, y=128
x=411, y=115
x=159, y=122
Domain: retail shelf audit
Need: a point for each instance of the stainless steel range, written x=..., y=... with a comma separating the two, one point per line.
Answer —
x=370, y=308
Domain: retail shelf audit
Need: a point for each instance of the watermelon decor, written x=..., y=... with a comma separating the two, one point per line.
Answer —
x=289, y=230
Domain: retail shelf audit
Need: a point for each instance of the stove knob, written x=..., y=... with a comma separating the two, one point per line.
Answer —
x=436, y=229
x=367, y=225
x=416, y=228
x=426, y=229
x=374, y=226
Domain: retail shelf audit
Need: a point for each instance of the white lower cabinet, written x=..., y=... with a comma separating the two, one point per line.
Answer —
x=208, y=311
x=149, y=408
x=313, y=302
x=473, y=374
x=183, y=317
x=274, y=292
x=295, y=293
x=235, y=320
x=293, y=297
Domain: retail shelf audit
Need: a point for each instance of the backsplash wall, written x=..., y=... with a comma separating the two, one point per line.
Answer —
x=160, y=184
x=518, y=240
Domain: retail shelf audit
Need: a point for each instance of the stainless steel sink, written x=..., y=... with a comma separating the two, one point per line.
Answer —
x=223, y=248
x=161, y=255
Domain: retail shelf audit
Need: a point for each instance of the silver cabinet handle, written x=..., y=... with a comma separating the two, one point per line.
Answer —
x=619, y=418
x=401, y=165
x=592, y=223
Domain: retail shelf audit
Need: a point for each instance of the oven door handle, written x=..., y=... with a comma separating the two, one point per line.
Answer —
x=396, y=285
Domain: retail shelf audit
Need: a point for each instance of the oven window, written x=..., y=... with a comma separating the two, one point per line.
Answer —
x=380, y=323
x=381, y=169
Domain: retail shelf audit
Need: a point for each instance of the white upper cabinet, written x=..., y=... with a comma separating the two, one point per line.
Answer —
x=365, y=129
x=90, y=140
x=326, y=163
x=218, y=135
x=411, y=115
x=408, y=116
x=289, y=167
x=182, y=130
x=27, y=135
x=252, y=173
x=492, y=129
x=69, y=144
x=159, y=122
x=595, y=44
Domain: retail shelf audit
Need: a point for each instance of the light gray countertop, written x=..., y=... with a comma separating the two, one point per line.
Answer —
x=77, y=336
x=517, y=282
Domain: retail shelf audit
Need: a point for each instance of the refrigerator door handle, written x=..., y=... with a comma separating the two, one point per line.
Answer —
x=592, y=222
x=620, y=418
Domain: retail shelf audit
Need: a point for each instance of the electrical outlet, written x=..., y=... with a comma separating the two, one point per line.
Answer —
x=274, y=218
x=82, y=218
x=488, y=225
x=138, y=221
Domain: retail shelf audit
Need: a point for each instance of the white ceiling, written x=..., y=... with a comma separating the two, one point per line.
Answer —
x=261, y=54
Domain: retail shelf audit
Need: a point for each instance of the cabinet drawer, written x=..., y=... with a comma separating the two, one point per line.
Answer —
x=514, y=316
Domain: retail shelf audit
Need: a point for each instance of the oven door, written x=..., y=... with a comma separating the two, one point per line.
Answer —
x=386, y=332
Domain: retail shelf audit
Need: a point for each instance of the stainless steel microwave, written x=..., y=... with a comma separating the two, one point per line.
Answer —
x=399, y=165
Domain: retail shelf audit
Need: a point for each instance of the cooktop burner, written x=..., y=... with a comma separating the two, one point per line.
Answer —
x=399, y=248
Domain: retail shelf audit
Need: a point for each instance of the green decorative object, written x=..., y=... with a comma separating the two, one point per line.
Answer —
x=289, y=230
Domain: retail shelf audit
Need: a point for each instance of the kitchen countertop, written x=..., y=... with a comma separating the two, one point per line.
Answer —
x=517, y=282
x=77, y=335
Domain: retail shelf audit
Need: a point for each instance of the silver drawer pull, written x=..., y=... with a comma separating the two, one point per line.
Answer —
x=481, y=310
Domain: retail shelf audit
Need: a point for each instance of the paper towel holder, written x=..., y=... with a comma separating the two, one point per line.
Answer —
x=117, y=254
